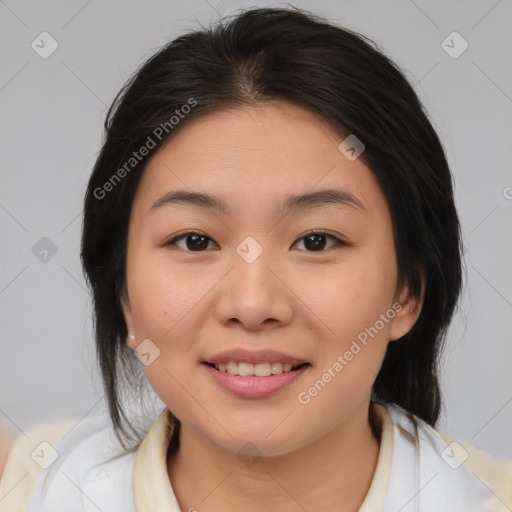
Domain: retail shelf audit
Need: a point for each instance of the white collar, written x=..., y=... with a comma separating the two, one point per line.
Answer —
x=429, y=475
x=412, y=473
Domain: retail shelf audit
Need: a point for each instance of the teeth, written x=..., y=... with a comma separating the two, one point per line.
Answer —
x=232, y=368
x=248, y=369
x=276, y=368
x=262, y=369
x=245, y=369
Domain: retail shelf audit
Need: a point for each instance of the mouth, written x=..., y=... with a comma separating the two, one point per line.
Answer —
x=264, y=369
x=254, y=380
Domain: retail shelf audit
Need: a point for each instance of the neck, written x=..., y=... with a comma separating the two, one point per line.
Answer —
x=337, y=468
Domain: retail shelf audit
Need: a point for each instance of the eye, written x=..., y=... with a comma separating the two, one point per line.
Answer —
x=194, y=242
x=315, y=240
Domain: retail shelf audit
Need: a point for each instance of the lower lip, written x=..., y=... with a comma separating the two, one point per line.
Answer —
x=252, y=386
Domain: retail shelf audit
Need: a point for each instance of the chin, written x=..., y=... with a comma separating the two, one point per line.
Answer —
x=255, y=442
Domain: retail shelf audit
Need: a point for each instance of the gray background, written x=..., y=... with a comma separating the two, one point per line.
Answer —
x=52, y=113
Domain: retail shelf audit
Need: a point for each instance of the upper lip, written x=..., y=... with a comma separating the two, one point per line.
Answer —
x=241, y=355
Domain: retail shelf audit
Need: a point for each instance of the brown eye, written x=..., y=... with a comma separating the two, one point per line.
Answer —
x=316, y=241
x=194, y=242
x=197, y=242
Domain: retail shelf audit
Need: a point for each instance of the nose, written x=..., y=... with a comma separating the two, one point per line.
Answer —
x=253, y=295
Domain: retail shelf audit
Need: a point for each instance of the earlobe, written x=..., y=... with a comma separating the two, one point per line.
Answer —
x=131, y=340
x=125, y=306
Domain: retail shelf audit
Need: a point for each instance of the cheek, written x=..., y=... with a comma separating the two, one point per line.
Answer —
x=161, y=297
x=162, y=303
x=351, y=297
x=348, y=305
x=354, y=339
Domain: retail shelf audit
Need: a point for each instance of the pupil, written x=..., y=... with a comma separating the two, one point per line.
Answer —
x=197, y=238
x=316, y=245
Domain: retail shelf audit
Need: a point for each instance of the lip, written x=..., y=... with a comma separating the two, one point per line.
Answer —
x=252, y=386
x=241, y=355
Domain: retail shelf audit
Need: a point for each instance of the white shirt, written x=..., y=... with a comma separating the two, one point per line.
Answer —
x=417, y=471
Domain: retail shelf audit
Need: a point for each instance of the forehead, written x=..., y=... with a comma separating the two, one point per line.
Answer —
x=250, y=155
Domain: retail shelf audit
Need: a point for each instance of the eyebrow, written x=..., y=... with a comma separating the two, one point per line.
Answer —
x=292, y=203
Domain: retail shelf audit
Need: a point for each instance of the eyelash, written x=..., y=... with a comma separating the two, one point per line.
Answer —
x=310, y=233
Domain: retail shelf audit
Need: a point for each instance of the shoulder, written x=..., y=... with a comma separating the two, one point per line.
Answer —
x=57, y=464
x=455, y=471
x=26, y=460
x=495, y=472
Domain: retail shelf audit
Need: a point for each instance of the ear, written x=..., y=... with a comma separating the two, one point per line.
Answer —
x=406, y=316
x=127, y=313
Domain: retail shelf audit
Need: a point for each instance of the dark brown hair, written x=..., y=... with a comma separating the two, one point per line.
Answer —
x=285, y=54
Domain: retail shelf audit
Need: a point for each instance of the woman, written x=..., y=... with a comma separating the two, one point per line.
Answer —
x=270, y=236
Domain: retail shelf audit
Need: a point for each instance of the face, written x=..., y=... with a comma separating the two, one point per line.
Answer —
x=252, y=278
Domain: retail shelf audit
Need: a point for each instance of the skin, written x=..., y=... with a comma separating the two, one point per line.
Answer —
x=304, y=302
